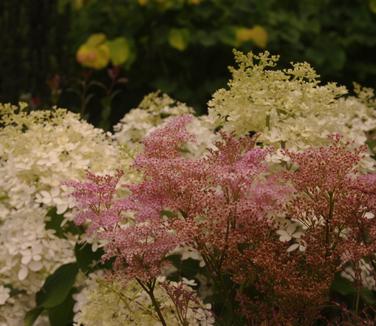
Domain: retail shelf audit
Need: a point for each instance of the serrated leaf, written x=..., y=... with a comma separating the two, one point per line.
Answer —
x=57, y=286
x=32, y=315
x=120, y=50
x=178, y=38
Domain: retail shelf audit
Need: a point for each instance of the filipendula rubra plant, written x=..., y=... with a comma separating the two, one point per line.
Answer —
x=334, y=205
x=228, y=206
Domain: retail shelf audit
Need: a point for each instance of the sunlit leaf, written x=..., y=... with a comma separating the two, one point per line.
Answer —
x=94, y=53
x=178, y=38
x=258, y=35
x=120, y=50
x=96, y=39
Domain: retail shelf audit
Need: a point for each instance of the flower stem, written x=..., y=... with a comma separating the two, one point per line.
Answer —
x=150, y=291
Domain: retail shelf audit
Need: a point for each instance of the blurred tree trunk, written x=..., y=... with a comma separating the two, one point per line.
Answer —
x=33, y=37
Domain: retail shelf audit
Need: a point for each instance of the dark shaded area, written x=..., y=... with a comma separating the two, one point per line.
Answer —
x=34, y=41
x=39, y=40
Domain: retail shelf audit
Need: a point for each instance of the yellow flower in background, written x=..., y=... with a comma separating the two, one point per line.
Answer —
x=257, y=34
x=142, y=2
x=95, y=52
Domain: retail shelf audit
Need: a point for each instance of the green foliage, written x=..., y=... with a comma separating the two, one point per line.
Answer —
x=57, y=286
x=55, y=297
x=62, y=314
x=121, y=51
x=86, y=257
x=350, y=292
x=178, y=38
x=32, y=316
x=55, y=223
x=183, y=47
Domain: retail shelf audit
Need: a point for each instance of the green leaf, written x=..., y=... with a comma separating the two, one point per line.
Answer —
x=343, y=286
x=32, y=315
x=205, y=38
x=178, y=38
x=227, y=35
x=120, y=50
x=368, y=296
x=57, y=286
x=371, y=145
x=85, y=256
x=96, y=39
x=168, y=213
x=55, y=223
x=62, y=315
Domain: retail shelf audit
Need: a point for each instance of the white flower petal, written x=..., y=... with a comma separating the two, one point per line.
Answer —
x=293, y=247
x=22, y=274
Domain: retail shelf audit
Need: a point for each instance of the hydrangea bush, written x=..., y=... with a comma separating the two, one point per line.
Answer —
x=260, y=213
x=39, y=150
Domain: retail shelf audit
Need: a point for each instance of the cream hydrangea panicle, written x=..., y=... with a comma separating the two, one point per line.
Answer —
x=289, y=108
x=39, y=150
x=155, y=110
x=151, y=112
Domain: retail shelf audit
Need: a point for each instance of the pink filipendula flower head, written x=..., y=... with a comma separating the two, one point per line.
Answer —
x=96, y=202
x=140, y=249
x=166, y=142
x=213, y=202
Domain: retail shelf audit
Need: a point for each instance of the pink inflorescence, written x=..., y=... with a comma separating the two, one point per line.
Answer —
x=227, y=205
x=95, y=199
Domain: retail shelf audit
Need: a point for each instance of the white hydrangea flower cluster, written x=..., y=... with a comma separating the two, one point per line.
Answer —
x=287, y=107
x=104, y=303
x=39, y=150
x=13, y=312
x=154, y=111
x=151, y=112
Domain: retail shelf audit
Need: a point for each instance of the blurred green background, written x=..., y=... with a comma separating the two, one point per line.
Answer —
x=100, y=57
